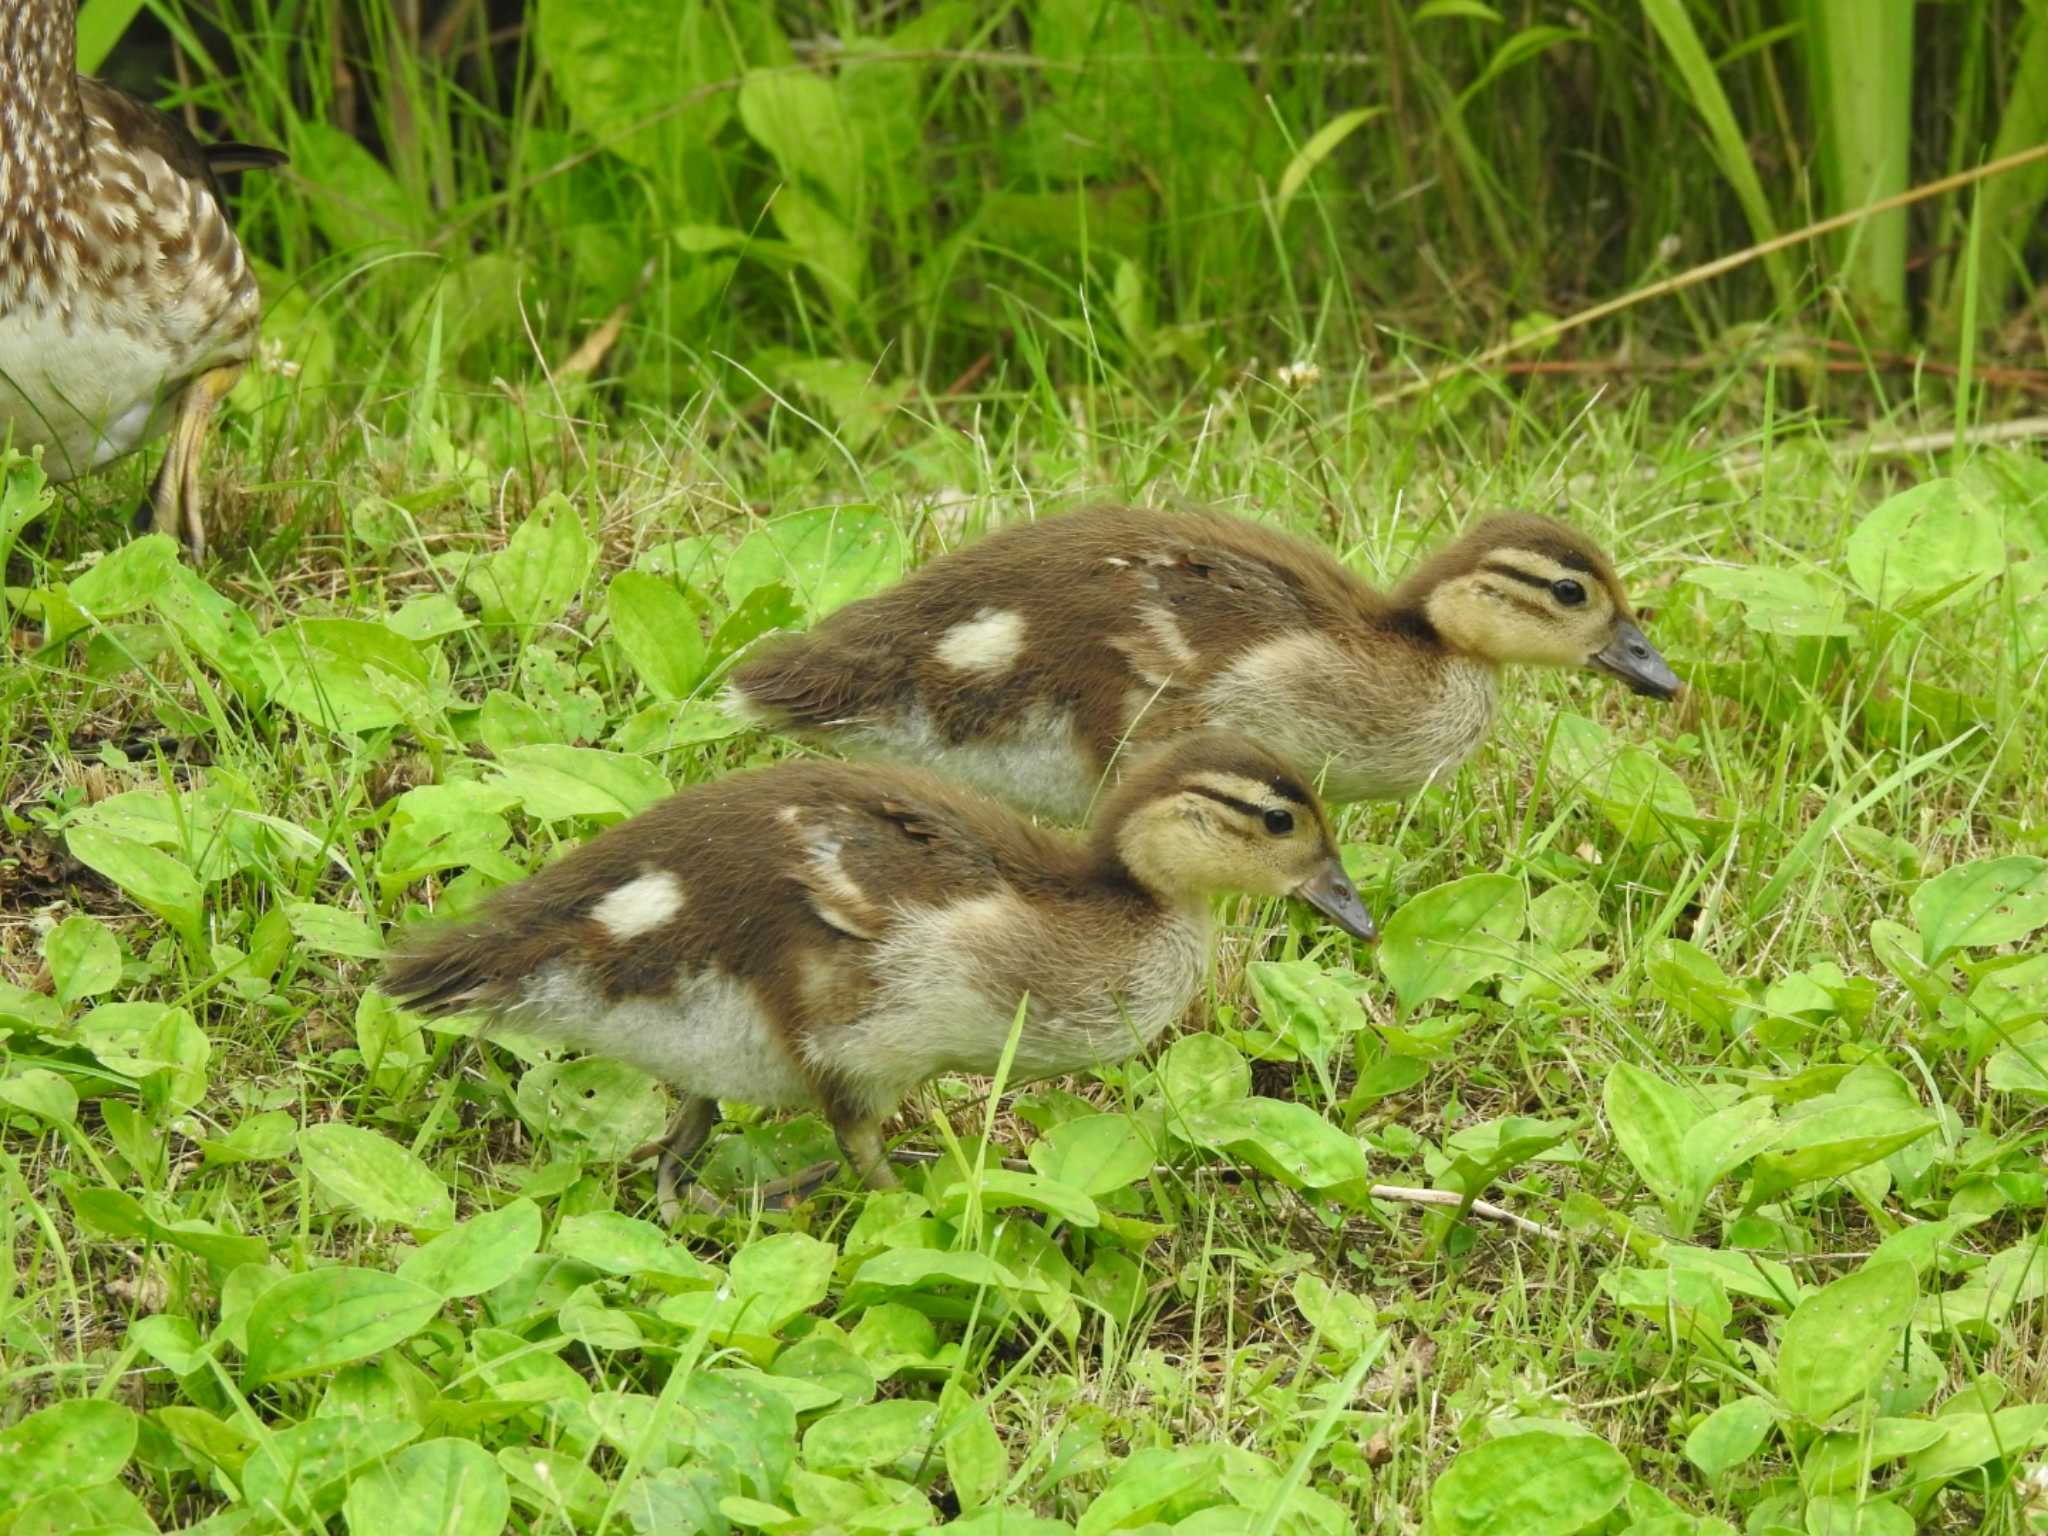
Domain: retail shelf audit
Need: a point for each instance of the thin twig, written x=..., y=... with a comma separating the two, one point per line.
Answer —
x=1400, y=1193
x=1693, y=276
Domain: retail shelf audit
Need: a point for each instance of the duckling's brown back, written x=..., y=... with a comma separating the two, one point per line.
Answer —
x=1053, y=636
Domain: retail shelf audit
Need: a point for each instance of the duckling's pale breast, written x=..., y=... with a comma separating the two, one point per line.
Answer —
x=712, y=1035
x=1374, y=726
x=948, y=981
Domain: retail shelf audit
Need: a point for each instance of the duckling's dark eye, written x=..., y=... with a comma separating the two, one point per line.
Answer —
x=1279, y=823
x=1568, y=592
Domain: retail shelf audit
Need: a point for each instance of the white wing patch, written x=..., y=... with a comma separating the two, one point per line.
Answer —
x=989, y=642
x=641, y=905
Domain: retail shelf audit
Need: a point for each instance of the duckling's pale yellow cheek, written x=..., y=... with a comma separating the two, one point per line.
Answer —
x=711, y=1036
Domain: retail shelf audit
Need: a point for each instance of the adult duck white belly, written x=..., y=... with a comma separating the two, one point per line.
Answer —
x=85, y=392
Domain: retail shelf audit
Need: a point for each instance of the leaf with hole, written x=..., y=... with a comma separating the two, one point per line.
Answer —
x=534, y=578
x=1986, y=902
x=606, y=1105
x=1835, y=1344
x=152, y=879
x=558, y=783
x=347, y=675
x=1095, y=1154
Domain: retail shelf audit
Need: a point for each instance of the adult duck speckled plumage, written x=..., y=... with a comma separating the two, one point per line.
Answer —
x=126, y=306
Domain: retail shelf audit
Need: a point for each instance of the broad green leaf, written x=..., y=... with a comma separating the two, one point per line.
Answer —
x=1146, y=1483
x=1343, y=1321
x=219, y=630
x=1847, y=1515
x=1729, y=1436
x=534, y=578
x=41, y=1093
x=141, y=1040
x=657, y=629
x=826, y=557
x=154, y=880
x=1445, y=941
x=1282, y=1139
x=977, y=1463
x=437, y=1488
x=312, y=1322
x=1305, y=1005
x=638, y=75
x=1776, y=600
x=333, y=930
x=375, y=1176
x=625, y=1245
x=1000, y=1188
x=1200, y=1071
x=173, y=1341
x=302, y=1470
x=1534, y=1484
x=792, y=1270
x=1990, y=901
x=25, y=493
x=347, y=675
x=1972, y=1438
x=1837, y=1139
x=67, y=1445
x=1927, y=542
x=1650, y=1118
x=83, y=956
x=916, y=1269
x=94, y=1509
x=126, y=578
x=1835, y=1343
x=870, y=1435
x=556, y=1480
x=667, y=726
x=798, y=118
x=481, y=1253
x=558, y=783
x=1094, y=1153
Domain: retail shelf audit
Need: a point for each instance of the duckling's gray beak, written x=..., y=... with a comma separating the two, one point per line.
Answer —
x=1631, y=657
x=1330, y=891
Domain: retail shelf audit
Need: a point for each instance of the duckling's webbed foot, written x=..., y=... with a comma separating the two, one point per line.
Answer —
x=178, y=500
x=679, y=1143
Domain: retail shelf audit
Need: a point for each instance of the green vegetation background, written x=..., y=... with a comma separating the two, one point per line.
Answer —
x=604, y=337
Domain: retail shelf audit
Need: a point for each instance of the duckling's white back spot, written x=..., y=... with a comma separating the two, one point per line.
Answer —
x=991, y=641
x=641, y=905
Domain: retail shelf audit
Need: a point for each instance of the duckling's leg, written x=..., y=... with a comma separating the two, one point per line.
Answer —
x=679, y=1143
x=861, y=1142
x=177, y=497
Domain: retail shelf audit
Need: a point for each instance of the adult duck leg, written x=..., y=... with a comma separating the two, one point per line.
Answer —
x=178, y=500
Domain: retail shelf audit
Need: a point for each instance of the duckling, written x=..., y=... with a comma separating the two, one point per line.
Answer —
x=831, y=934
x=1022, y=663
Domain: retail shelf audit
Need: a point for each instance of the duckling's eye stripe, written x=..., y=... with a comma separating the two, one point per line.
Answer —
x=1515, y=573
x=1242, y=807
x=1289, y=791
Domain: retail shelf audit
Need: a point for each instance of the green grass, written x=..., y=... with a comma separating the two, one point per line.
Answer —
x=1835, y=758
x=1730, y=995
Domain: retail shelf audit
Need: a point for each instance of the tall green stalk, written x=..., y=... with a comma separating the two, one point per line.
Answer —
x=1860, y=72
